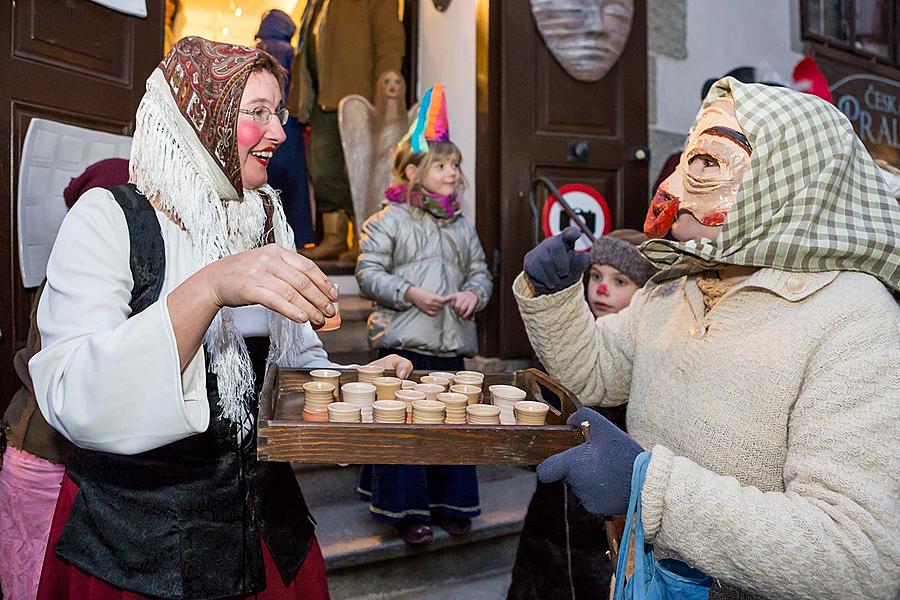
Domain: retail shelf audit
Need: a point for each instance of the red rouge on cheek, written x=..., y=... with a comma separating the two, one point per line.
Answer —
x=249, y=133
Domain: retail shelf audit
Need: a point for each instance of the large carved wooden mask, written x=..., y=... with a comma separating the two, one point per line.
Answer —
x=585, y=36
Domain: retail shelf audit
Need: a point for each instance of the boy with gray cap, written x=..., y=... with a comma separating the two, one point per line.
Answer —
x=617, y=271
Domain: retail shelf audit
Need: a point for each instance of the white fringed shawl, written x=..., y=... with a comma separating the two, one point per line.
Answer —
x=171, y=166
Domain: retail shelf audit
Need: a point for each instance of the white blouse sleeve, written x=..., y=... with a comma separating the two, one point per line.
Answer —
x=105, y=381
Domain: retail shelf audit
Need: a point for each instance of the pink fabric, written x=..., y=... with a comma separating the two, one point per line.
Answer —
x=29, y=487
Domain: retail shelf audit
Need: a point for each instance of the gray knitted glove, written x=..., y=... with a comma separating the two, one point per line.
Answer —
x=598, y=471
x=553, y=265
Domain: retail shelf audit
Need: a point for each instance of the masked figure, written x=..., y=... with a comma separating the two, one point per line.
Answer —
x=758, y=367
x=705, y=183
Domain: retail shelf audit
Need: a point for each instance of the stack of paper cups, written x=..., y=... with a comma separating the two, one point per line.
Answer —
x=327, y=376
x=442, y=374
x=428, y=412
x=431, y=390
x=456, y=407
x=409, y=396
x=468, y=375
x=505, y=397
x=368, y=373
x=389, y=411
x=441, y=381
x=317, y=396
x=482, y=414
x=362, y=395
x=343, y=412
x=531, y=413
x=385, y=387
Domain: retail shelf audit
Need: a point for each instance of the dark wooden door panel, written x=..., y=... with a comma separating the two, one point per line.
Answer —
x=80, y=36
x=566, y=106
x=71, y=61
x=532, y=113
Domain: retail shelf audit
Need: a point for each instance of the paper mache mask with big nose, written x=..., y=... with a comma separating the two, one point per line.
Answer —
x=706, y=181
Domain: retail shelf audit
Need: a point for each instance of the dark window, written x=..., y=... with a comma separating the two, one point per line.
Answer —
x=864, y=27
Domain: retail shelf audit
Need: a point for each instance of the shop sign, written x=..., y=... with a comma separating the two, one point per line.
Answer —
x=872, y=104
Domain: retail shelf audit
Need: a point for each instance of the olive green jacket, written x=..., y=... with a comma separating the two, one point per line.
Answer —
x=356, y=41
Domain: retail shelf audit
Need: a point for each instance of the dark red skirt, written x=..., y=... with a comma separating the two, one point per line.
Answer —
x=61, y=580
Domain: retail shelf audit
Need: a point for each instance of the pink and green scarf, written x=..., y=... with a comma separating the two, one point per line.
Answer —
x=440, y=207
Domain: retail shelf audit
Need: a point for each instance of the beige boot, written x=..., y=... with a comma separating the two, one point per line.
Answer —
x=335, y=240
x=352, y=253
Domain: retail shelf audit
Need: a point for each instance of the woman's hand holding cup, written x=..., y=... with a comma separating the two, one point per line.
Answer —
x=277, y=278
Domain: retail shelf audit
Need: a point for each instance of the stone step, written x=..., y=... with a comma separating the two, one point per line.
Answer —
x=492, y=586
x=368, y=560
x=436, y=574
x=325, y=485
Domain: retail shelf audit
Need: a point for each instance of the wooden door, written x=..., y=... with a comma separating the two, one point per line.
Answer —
x=71, y=61
x=530, y=114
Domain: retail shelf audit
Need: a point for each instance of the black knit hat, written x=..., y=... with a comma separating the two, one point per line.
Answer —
x=618, y=249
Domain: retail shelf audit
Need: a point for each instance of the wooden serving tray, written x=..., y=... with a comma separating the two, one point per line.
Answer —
x=283, y=436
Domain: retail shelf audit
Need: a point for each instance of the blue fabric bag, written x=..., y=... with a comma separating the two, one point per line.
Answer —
x=667, y=579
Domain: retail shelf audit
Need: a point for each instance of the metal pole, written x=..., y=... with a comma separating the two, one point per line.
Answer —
x=552, y=189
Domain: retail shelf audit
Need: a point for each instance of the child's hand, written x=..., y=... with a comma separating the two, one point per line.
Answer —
x=402, y=366
x=463, y=303
x=426, y=301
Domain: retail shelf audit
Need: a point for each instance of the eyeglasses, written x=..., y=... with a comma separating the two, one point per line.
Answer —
x=262, y=114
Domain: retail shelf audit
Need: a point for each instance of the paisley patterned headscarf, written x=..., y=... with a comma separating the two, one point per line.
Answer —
x=206, y=80
x=811, y=199
x=184, y=157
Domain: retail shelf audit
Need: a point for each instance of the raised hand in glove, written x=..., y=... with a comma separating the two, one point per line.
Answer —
x=598, y=471
x=553, y=265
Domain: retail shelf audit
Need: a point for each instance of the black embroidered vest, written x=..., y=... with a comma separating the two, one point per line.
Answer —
x=184, y=520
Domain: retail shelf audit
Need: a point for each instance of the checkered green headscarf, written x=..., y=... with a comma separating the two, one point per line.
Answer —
x=811, y=199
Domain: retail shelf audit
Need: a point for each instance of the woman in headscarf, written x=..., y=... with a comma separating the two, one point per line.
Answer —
x=144, y=363
x=759, y=368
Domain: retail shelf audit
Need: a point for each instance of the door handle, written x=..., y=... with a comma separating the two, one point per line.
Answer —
x=579, y=151
x=640, y=154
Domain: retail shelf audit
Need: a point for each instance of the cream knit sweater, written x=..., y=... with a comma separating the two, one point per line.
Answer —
x=773, y=421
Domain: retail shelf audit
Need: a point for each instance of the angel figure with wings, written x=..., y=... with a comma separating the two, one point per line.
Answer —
x=369, y=136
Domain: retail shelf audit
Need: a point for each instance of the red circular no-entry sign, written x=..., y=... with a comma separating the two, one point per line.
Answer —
x=588, y=203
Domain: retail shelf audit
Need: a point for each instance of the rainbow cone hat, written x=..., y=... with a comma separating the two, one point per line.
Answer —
x=431, y=124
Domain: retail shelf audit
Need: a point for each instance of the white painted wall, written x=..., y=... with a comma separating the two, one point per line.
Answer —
x=721, y=35
x=447, y=55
